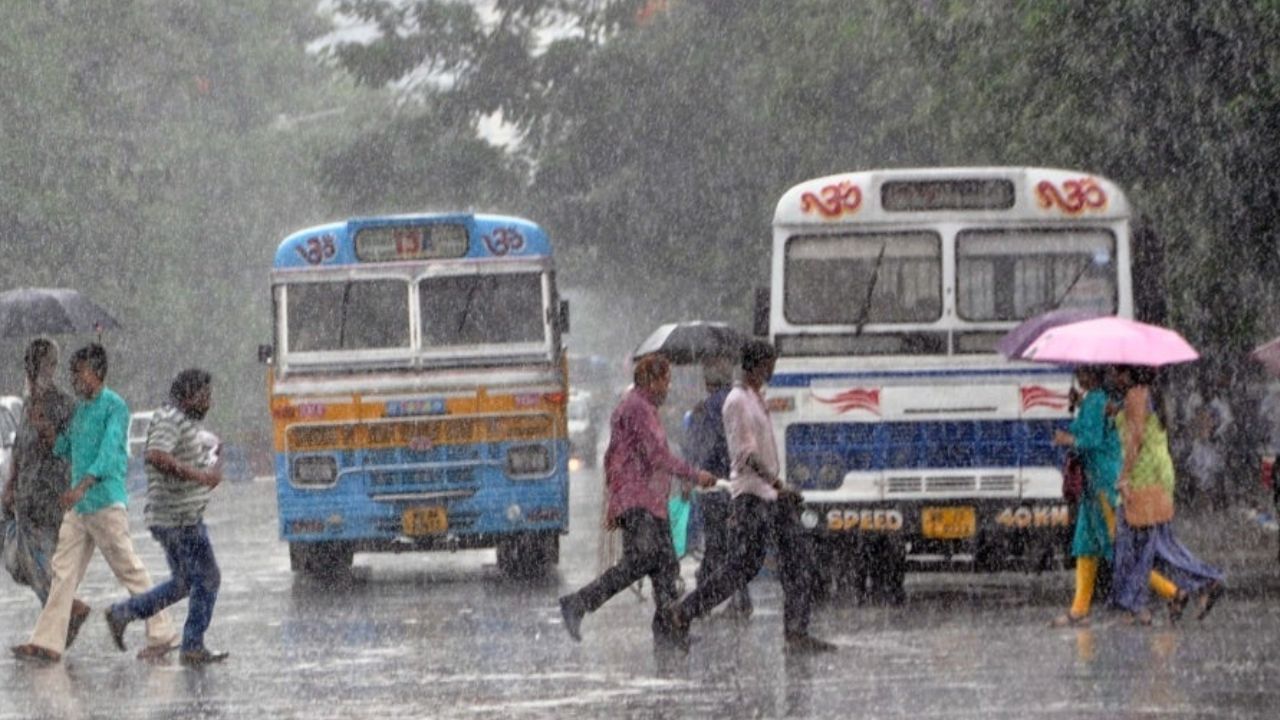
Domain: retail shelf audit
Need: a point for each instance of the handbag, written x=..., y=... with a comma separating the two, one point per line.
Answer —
x=1073, y=481
x=1148, y=505
x=678, y=508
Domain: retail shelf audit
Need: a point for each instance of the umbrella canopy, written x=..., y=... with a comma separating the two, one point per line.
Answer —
x=1111, y=341
x=1017, y=340
x=1268, y=354
x=690, y=342
x=50, y=311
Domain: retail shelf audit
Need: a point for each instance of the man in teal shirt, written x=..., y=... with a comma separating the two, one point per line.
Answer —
x=95, y=442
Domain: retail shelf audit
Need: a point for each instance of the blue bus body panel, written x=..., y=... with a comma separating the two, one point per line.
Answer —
x=483, y=503
x=492, y=236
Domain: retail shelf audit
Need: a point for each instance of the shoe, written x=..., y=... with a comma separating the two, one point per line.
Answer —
x=571, y=611
x=1209, y=597
x=806, y=644
x=116, y=628
x=1068, y=620
x=152, y=653
x=675, y=628
x=79, y=613
x=203, y=656
x=1177, y=605
x=35, y=653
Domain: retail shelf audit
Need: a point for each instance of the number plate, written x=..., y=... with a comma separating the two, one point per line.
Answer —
x=425, y=521
x=948, y=523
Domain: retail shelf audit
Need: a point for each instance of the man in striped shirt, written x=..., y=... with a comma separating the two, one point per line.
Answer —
x=180, y=478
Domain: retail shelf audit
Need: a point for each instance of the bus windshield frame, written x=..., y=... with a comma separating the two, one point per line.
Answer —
x=415, y=352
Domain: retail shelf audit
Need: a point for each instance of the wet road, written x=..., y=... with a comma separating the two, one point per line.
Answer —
x=444, y=635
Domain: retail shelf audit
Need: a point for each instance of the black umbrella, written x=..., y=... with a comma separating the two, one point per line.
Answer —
x=689, y=342
x=50, y=311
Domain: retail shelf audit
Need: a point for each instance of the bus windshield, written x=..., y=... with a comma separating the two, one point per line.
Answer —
x=349, y=315
x=482, y=309
x=828, y=277
x=1014, y=274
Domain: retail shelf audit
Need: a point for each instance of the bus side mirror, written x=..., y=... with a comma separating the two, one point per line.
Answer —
x=562, y=317
x=760, y=314
x=265, y=354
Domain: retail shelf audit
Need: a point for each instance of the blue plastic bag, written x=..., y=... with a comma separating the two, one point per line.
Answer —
x=678, y=508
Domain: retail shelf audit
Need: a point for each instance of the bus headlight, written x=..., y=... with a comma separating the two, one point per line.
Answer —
x=314, y=470
x=799, y=475
x=809, y=519
x=525, y=460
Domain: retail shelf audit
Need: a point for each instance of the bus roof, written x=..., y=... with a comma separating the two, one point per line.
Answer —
x=487, y=236
x=1009, y=194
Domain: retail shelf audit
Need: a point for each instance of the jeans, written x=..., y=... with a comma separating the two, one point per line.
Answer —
x=193, y=572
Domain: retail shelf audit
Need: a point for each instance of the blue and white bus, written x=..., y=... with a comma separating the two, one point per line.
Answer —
x=908, y=434
x=417, y=390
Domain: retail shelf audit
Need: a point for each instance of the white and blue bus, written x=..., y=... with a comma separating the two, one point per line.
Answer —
x=417, y=390
x=911, y=438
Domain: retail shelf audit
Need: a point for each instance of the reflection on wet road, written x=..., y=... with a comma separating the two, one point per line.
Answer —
x=444, y=635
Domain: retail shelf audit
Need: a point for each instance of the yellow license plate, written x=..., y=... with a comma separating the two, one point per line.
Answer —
x=948, y=523
x=425, y=521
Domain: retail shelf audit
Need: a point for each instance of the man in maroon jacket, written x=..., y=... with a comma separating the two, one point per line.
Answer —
x=638, y=467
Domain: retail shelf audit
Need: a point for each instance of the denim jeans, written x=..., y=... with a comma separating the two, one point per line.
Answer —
x=193, y=572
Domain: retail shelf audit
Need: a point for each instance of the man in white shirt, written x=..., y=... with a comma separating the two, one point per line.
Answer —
x=763, y=507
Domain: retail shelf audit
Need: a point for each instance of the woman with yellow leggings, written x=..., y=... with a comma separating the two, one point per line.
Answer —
x=1092, y=436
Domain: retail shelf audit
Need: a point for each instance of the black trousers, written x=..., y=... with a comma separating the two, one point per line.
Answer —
x=753, y=522
x=717, y=541
x=646, y=551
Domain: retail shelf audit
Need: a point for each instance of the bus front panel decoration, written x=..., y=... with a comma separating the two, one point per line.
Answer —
x=417, y=391
x=915, y=444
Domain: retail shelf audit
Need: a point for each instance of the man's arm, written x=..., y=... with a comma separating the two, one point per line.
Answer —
x=653, y=445
x=169, y=465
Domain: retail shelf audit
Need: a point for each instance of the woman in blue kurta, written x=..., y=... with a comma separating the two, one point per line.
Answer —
x=1092, y=435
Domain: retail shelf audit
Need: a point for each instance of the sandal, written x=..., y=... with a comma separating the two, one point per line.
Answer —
x=1178, y=604
x=1141, y=617
x=1069, y=620
x=36, y=653
x=1209, y=597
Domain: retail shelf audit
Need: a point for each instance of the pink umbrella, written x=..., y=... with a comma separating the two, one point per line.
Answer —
x=1269, y=355
x=1110, y=341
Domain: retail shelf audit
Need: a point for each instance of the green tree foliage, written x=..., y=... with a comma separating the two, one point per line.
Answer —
x=657, y=145
x=148, y=160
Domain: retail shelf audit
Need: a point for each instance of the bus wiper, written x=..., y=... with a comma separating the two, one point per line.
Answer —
x=342, y=314
x=466, y=308
x=865, y=310
x=1071, y=286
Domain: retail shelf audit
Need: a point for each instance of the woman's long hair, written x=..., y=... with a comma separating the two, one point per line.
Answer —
x=1154, y=382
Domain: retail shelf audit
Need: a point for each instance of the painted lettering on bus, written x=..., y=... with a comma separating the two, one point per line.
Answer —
x=1074, y=197
x=1038, y=516
x=401, y=408
x=867, y=520
x=504, y=240
x=833, y=201
x=317, y=249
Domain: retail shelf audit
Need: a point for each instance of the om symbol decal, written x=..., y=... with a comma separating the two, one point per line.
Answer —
x=317, y=249
x=835, y=200
x=504, y=240
x=1073, y=198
